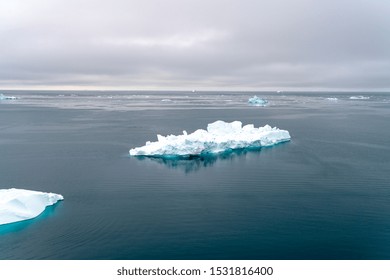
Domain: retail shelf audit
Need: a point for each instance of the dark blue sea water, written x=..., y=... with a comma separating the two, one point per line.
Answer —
x=323, y=195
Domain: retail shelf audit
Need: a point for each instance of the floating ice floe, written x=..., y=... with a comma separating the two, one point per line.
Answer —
x=18, y=204
x=219, y=137
x=257, y=101
x=360, y=97
x=5, y=97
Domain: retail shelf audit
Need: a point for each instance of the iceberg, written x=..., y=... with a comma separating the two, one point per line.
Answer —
x=19, y=204
x=257, y=101
x=219, y=137
x=360, y=97
x=5, y=97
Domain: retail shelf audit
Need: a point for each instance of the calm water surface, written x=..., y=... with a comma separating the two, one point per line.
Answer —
x=324, y=195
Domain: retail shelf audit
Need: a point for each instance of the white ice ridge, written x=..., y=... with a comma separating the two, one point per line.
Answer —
x=219, y=137
x=257, y=101
x=5, y=97
x=18, y=204
x=360, y=97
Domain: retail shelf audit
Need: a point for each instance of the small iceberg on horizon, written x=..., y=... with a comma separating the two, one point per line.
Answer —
x=219, y=137
x=19, y=204
x=6, y=97
x=257, y=101
x=359, y=97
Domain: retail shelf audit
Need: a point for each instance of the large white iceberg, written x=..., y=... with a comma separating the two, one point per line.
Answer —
x=18, y=204
x=257, y=101
x=219, y=137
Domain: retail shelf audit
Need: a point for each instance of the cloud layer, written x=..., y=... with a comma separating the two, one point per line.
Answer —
x=195, y=44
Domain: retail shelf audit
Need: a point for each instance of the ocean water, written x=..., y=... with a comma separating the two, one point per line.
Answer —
x=323, y=195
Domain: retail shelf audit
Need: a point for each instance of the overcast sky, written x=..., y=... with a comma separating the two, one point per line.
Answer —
x=195, y=44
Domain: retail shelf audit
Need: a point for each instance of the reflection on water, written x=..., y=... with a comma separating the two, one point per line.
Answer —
x=195, y=163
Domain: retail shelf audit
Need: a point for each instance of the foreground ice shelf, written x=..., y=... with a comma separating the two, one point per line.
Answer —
x=18, y=204
x=220, y=136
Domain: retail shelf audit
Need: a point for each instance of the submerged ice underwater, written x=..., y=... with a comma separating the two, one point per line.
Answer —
x=323, y=195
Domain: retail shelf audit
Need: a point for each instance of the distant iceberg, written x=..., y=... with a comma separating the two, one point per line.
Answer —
x=18, y=204
x=360, y=97
x=257, y=101
x=219, y=137
x=5, y=97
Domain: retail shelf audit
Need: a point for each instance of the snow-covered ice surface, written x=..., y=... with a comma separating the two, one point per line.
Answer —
x=19, y=204
x=219, y=137
x=257, y=101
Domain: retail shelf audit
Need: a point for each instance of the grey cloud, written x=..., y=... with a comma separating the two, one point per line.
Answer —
x=205, y=44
